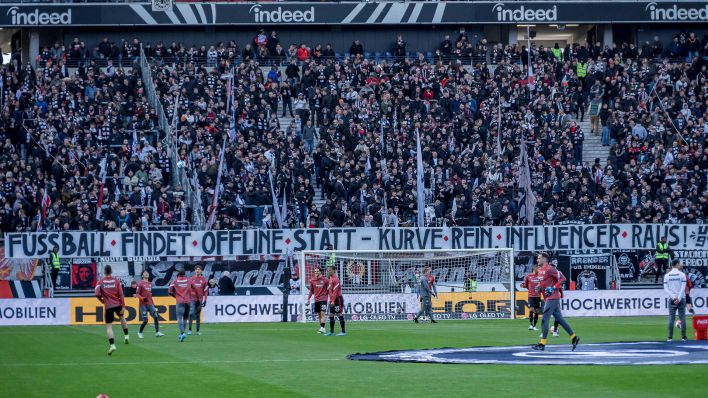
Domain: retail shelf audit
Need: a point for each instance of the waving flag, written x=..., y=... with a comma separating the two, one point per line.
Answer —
x=102, y=176
x=527, y=199
x=217, y=188
x=419, y=180
x=276, y=209
x=531, y=79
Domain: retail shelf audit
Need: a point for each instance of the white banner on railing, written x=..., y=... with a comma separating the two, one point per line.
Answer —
x=625, y=302
x=270, y=308
x=277, y=241
x=248, y=308
x=17, y=312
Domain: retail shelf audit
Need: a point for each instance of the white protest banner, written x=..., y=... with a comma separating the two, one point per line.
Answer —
x=248, y=308
x=636, y=302
x=276, y=241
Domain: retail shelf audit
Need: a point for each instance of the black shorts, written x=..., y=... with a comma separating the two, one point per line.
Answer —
x=688, y=300
x=111, y=314
x=535, y=302
x=320, y=306
x=337, y=307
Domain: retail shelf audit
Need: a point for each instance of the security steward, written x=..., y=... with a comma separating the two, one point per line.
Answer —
x=54, y=265
x=661, y=258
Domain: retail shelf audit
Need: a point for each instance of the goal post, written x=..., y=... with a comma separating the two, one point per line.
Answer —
x=383, y=285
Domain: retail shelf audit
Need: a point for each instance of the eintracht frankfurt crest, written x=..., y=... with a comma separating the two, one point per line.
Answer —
x=162, y=5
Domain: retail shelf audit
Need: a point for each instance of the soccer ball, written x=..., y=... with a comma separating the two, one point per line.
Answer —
x=102, y=396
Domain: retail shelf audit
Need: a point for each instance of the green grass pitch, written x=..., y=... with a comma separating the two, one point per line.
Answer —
x=292, y=360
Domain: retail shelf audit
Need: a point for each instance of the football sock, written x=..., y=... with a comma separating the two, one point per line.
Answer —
x=544, y=341
x=157, y=325
x=535, y=318
x=142, y=326
x=322, y=324
x=111, y=341
x=531, y=318
x=572, y=337
x=341, y=323
x=331, y=324
x=125, y=331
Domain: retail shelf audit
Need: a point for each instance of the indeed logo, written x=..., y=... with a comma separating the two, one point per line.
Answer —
x=676, y=14
x=524, y=14
x=280, y=15
x=39, y=18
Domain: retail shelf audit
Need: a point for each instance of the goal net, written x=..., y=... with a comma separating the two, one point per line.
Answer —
x=383, y=285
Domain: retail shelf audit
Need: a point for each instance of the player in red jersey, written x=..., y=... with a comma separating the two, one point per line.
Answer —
x=433, y=286
x=199, y=297
x=144, y=294
x=551, y=283
x=181, y=290
x=109, y=291
x=531, y=282
x=318, y=288
x=689, y=302
x=336, y=302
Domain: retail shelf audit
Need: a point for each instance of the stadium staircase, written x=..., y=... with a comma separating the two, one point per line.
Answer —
x=592, y=146
x=284, y=124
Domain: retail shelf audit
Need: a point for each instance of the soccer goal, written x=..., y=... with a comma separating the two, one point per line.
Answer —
x=383, y=285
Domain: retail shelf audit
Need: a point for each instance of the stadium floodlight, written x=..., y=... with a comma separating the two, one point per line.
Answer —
x=383, y=285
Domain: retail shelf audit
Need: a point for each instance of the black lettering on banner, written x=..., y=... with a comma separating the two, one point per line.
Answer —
x=125, y=239
x=68, y=247
x=276, y=238
x=300, y=243
x=436, y=238
x=636, y=236
x=79, y=313
x=549, y=242
x=478, y=306
x=614, y=233
x=576, y=240
x=208, y=243
x=171, y=240
x=456, y=233
x=600, y=233
x=514, y=236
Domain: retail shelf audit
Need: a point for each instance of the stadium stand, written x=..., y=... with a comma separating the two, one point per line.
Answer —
x=615, y=134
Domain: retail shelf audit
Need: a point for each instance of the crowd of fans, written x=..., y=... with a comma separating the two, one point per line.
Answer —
x=353, y=134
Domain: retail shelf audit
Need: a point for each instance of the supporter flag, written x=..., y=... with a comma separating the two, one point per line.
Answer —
x=419, y=180
x=499, y=127
x=284, y=209
x=531, y=79
x=217, y=188
x=383, y=137
x=229, y=105
x=276, y=209
x=46, y=202
x=134, y=147
x=367, y=169
x=527, y=200
x=102, y=176
x=232, y=125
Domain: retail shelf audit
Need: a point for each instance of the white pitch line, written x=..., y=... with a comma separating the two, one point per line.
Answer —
x=19, y=365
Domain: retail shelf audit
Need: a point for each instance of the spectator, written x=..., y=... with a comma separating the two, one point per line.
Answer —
x=226, y=285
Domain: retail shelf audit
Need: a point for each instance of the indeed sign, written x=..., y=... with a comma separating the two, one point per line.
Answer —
x=36, y=17
x=279, y=15
x=524, y=13
x=676, y=13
